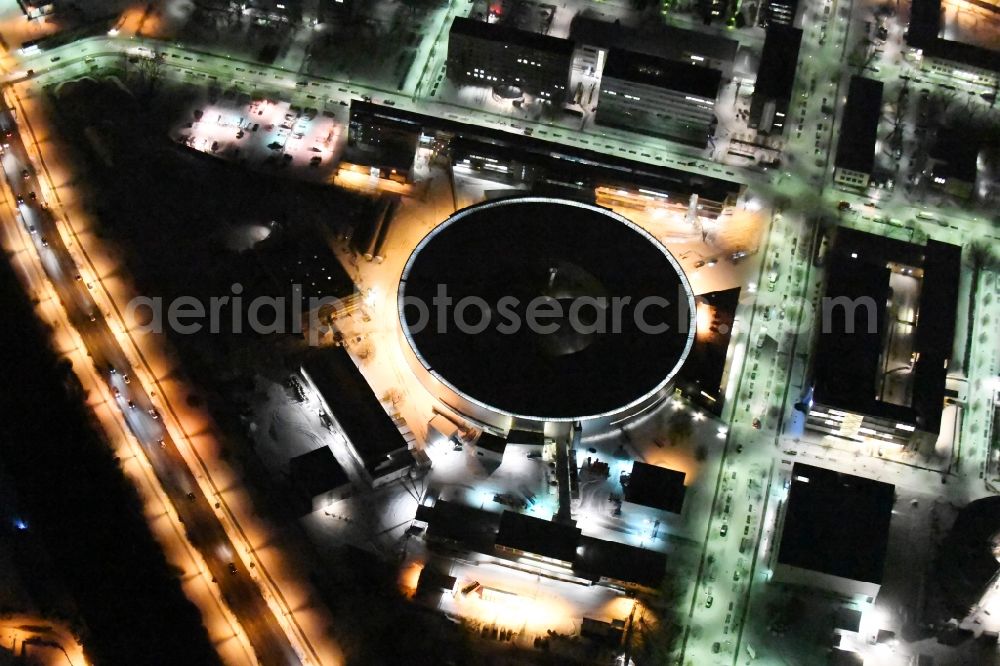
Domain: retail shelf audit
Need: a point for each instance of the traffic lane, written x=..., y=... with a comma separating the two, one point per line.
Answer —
x=202, y=526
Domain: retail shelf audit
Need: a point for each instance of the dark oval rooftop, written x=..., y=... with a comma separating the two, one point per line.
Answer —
x=562, y=256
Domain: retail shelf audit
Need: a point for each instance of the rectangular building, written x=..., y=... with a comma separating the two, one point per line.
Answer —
x=886, y=330
x=855, y=158
x=772, y=93
x=349, y=403
x=523, y=539
x=952, y=161
x=781, y=12
x=952, y=49
x=835, y=533
x=655, y=487
x=594, y=38
x=494, y=55
x=512, y=158
x=318, y=478
x=650, y=95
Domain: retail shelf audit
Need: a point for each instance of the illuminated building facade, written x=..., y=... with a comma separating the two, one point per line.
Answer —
x=659, y=97
x=494, y=55
x=772, y=92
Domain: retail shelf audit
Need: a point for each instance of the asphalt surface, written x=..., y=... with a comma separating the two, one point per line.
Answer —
x=203, y=527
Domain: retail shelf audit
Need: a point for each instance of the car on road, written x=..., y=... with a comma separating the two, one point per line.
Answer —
x=45, y=241
x=32, y=196
x=724, y=530
x=25, y=174
x=153, y=413
x=232, y=568
x=756, y=424
x=19, y=199
x=131, y=405
x=708, y=602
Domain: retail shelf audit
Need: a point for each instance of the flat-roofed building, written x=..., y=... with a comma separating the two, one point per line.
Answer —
x=943, y=44
x=953, y=161
x=554, y=548
x=854, y=162
x=886, y=334
x=781, y=12
x=318, y=478
x=835, y=532
x=552, y=541
x=495, y=55
x=350, y=405
x=488, y=153
x=594, y=38
x=772, y=93
x=654, y=487
x=650, y=95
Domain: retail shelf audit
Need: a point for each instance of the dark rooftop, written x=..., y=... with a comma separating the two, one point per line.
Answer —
x=491, y=442
x=957, y=149
x=503, y=34
x=463, y=524
x=702, y=373
x=620, y=561
x=529, y=249
x=667, y=74
x=846, y=366
x=778, y=62
x=431, y=580
x=655, y=487
x=925, y=28
x=859, y=125
x=566, y=162
x=655, y=39
x=355, y=407
x=836, y=523
x=317, y=472
x=541, y=537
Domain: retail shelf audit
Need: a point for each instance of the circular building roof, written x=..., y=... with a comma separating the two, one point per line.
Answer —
x=546, y=309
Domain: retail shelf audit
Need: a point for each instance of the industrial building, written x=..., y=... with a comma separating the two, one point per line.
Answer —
x=772, y=93
x=835, y=532
x=885, y=339
x=780, y=12
x=664, y=98
x=350, y=407
x=854, y=162
x=494, y=55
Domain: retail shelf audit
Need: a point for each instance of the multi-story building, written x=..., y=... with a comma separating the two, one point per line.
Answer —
x=594, y=38
x=884, y=340
x=772, y=92
x=651, y=95
x=854, y=162
x=494, y=55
